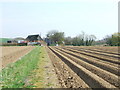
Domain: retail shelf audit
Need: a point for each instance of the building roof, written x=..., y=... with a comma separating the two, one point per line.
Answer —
x=33, y=37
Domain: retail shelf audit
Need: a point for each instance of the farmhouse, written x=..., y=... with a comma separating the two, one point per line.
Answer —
x=34, y=39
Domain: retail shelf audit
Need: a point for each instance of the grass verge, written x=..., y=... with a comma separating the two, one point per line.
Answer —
x=37, y=78
x=43, y=76
x=15, y=75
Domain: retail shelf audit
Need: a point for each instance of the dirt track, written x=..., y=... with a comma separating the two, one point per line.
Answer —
x=13, y=53
x=86, y=67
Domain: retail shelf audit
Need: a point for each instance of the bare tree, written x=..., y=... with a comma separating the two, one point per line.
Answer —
x=56, y=37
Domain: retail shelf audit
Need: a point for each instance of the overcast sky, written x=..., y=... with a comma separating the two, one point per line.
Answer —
x=22, y=18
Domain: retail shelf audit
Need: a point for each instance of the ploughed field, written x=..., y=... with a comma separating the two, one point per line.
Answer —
x=86, y=67
x=11, y=54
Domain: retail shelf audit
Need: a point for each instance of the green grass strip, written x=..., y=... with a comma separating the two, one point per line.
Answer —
x=15, y=75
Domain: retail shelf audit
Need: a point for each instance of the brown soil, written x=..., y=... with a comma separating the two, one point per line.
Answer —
x=113, y=49
x=66, y=76
x=50, y=74
x=71, y=67
x=13, y=53
x=92, y=70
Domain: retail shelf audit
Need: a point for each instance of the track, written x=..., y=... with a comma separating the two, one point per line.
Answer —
x=92, y=69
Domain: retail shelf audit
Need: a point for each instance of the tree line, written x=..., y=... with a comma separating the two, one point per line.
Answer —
x=113, y=40
x=58, y=38
x=80, y=40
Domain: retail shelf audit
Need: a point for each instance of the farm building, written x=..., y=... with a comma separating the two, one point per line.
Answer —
x=17, y=40
x=20, y=40
x=34, y=39
x=11, y=41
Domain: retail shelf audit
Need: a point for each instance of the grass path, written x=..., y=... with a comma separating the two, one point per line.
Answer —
x=44, y=75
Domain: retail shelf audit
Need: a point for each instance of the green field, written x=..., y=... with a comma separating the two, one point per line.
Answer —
x=4, y=40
